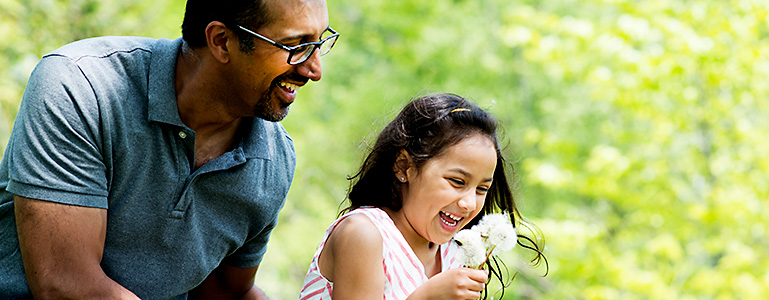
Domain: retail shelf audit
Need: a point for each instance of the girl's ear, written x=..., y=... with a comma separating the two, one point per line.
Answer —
x=402, y=165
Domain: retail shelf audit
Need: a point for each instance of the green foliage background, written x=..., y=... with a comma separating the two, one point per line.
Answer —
x=638, y=128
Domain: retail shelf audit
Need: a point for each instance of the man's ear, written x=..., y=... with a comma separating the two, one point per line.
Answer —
x=218, y=39
x=402, y=165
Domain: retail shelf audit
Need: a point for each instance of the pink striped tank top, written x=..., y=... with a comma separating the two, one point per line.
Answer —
x=403, y=270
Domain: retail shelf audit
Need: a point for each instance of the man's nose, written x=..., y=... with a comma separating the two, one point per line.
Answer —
x=311, y=68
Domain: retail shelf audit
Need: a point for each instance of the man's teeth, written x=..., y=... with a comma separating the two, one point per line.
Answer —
x=290, y=86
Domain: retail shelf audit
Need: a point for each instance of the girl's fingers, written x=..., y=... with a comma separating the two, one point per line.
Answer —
x=479, y=275
x=478, y=287
x=476, y=295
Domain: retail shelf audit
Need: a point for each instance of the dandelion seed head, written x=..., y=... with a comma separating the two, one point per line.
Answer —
x=472, y=251
x=490, y=221
x=504, y=237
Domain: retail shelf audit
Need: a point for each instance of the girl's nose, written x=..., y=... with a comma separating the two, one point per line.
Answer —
x=467, y=202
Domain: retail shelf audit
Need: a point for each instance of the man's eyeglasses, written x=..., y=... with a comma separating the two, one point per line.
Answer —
x=300, y=53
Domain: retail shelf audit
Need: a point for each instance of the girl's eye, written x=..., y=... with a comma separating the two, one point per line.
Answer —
x=457, y=182
x=482, y=189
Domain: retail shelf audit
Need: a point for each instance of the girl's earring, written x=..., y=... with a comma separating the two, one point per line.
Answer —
x=403, y=179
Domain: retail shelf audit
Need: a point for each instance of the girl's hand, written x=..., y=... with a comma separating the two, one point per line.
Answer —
x=461, y=283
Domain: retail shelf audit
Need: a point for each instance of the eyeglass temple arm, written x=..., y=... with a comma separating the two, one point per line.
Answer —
x=276, y=44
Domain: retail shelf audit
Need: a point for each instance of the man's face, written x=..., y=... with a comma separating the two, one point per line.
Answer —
x=269, y=83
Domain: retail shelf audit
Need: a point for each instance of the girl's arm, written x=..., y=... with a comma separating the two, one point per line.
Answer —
x=352, y=260
x=454, y=284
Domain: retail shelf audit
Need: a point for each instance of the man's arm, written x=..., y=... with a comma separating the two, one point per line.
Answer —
x=228, y=282
x=62, y=246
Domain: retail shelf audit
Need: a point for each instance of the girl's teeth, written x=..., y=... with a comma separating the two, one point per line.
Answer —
x=452, y=217
x=455, y=218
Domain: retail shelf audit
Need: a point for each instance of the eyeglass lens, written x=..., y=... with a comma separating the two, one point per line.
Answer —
x=301, y=54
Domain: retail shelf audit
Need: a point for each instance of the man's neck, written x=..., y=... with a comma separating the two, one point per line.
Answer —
x=199, y=107
x=198, y=99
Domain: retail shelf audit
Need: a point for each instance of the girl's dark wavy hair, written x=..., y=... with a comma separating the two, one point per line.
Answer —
x=425, y=128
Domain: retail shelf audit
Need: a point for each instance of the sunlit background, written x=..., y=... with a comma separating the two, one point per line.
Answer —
x=639, y=129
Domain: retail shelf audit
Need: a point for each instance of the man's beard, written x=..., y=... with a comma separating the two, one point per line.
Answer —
x=266, y=111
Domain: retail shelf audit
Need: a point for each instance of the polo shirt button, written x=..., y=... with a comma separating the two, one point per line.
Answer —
x=182, y=134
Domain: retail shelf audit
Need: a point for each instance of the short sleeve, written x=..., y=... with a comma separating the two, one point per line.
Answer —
x=252, y=251
x=54, y=147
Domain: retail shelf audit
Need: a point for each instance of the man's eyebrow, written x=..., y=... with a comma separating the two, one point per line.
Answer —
x=466, y=174
x=301, y=36
x=295, y=37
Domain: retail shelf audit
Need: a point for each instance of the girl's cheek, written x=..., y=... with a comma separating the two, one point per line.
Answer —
x=480, y=205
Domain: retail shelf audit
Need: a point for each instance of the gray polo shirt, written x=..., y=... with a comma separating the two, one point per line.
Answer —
x=98, y=126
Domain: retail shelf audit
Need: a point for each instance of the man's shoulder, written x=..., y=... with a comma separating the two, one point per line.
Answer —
x=275, y=129
x=104, y=46
x=270, y=141
x=278, y=138
x=269, y=134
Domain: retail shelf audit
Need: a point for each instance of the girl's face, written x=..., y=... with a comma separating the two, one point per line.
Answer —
x=449, y=190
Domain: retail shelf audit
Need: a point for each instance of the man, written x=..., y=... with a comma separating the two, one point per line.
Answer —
x=154, y=169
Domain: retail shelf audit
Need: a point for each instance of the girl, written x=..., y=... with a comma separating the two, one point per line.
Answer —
x=433, y=170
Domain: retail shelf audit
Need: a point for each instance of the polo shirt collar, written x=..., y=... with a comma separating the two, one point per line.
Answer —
x=256, y=143
x=162, y=87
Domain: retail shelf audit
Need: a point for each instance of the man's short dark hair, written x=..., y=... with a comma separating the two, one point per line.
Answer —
x=248, y=13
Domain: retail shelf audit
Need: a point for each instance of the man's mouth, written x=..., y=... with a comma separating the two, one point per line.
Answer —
x=450, y=219
x=290, y=87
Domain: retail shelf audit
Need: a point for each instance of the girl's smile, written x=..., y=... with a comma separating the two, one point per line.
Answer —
x=449, y=219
